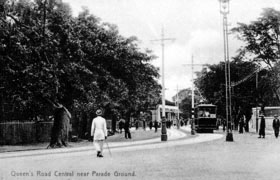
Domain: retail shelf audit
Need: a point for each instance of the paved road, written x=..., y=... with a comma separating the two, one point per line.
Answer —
x=206, y=156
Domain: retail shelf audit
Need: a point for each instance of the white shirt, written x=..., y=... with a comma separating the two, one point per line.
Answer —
x=99, y=128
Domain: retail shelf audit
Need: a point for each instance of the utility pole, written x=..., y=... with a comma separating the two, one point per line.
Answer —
x=163, y=121
x=178, y=102
x=257, y=118
x=192, y=113
x=178, y=113
x=192, y=66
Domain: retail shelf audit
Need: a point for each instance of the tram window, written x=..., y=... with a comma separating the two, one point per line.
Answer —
x=206, y=112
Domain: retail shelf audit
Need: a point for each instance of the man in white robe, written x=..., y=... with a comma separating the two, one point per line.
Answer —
x=99, y=132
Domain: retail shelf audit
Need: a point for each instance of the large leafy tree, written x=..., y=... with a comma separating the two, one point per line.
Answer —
x=261, y=38
x=49, y=57
x=211, y=83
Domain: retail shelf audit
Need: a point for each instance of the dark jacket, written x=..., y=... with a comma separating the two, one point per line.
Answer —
x=262, y=124
x=276, y=124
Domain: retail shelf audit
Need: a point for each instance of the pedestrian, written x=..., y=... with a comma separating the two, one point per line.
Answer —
x=276, y=125
x=156, y=125
x=99, y=132
x=144, y=124
x=136, y=124
x=241, y=124
x=151, y=125
x=178, y=123
x=262, y=127
x=224, y=124
x=126, y=130
x=121, y=125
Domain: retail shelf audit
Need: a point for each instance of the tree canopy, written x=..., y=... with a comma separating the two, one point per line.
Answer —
x=47, y=55
x=262, y=45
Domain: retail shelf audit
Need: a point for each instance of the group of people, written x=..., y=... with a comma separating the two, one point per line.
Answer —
x=125, y=124
x=153, y=124
x=178, y=122
x=275, y=126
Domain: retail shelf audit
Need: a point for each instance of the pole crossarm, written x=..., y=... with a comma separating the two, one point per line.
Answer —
x=195, y=64
x=163, y=39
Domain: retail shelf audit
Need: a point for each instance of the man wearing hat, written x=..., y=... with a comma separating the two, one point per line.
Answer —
x=276, y=125
x=99, y=132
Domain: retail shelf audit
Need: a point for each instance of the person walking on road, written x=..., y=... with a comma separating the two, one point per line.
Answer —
x=241, y=124
x=151, y=125
x=156, y=125
x=144, y=124
x=276, y=125
x=136, y=124
x=126, y=130
x=121, y=125
x=99, y=132
x=262, y=127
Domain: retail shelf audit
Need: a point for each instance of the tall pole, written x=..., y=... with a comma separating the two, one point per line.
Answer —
x=163, y=82
x=178, y=114
x=192, y=87
x=229, y=78
x=226, y=76
x=224, y=10
x=192, y=111
x=257, y=116
x=178, y=102
x=163, y=121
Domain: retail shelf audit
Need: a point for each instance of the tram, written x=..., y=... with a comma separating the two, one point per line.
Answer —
x=205, y=118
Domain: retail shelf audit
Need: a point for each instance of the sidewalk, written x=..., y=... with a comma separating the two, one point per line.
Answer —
x=40, y=149
x=39, y=146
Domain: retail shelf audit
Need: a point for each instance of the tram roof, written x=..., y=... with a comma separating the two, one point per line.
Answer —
x=206, y=105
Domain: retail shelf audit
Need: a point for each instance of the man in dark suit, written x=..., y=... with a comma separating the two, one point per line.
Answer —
x=262, y=127
x=276, y=125
x=126, y=130
x=156, y=125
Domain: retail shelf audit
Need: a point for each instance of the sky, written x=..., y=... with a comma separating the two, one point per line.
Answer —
x=195, y=25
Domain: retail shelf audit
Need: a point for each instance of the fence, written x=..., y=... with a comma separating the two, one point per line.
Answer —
x=17, y=132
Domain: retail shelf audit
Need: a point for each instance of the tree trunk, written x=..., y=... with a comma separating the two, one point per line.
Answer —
x=60, y=129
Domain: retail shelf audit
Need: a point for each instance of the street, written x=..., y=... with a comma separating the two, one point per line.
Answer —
x=206, y=156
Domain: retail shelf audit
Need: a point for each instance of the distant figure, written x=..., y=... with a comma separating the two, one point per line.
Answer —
x=99, y=132
x=241, y=124
x=178, y=123
x=262, y=127
x=126, y=130
x=151, y=125
x=144, y=125
x=121, y=125
x=224, y=124
x=276, y=125
x=136, y=124
x=167, y=124
x=156, y=125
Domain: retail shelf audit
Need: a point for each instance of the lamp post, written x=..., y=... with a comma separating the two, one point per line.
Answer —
x=163, y=120
x=224, y=10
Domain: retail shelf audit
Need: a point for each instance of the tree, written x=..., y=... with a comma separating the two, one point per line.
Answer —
x=262, y=45
x=211, y=84
x=49, y=57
